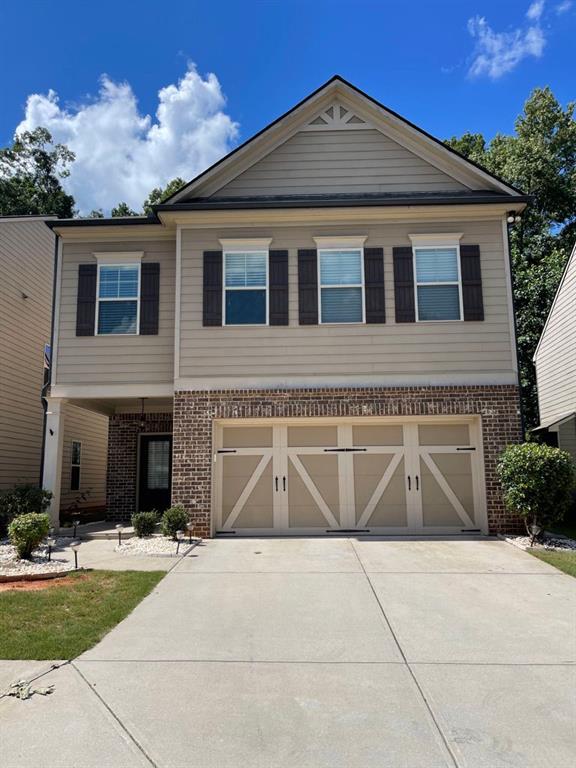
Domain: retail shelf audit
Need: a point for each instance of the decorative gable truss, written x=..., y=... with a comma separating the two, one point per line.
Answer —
x=337, y=117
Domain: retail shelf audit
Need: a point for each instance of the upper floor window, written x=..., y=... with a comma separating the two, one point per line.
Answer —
x=438, y=282
x=341, y=285
x=118, y=298
x=246, y=287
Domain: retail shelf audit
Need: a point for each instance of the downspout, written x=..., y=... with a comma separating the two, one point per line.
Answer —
x=513, y=287
x=48, y=371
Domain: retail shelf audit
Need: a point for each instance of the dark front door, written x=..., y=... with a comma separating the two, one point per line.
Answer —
x=155, y=472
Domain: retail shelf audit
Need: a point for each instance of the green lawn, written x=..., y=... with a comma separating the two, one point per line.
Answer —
x=564, y=561
x=63, y=621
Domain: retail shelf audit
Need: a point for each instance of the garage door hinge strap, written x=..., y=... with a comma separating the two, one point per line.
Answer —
x=465, y=449
x=226, y=450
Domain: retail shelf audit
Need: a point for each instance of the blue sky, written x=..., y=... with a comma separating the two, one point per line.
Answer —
x=449, y=66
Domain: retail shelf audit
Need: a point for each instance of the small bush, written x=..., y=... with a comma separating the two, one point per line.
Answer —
x=27, y=531
x=537, y=481
x=173, y=520
x=20, y=500
x=145, y=523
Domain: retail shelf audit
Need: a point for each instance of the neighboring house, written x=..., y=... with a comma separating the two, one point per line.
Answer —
x=315, y=334
x=26, y=280
x=555, y=361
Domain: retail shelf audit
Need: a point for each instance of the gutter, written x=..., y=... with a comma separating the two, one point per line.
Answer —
x=263, y=203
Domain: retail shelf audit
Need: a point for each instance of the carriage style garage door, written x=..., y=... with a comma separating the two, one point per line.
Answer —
x=420, y=476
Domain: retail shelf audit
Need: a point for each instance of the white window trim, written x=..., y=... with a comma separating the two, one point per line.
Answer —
x=419, y=243
x=246, y=246
x=116, y=263
x=79, y=465
x=344, y=246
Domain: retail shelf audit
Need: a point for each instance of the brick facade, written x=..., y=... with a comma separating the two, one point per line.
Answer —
x=122, y=473
x=194, y=413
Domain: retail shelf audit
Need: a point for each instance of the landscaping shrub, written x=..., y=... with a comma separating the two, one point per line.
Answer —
x=173, y=520
x=145, y=523
x=537, y=481
x=20, y=500
x=27, y=531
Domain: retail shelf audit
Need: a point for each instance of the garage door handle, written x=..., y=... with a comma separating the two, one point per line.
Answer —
x=284, y=483
x=276, y=481
x=416, y=482
x=409, y=483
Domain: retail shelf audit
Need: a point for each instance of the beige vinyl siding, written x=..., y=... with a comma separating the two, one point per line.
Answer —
x=333, y=162
x=556, y=356
x=348, y=351
x=26, y=265
x=116, y=359
x=91, y=429
x=567, y=437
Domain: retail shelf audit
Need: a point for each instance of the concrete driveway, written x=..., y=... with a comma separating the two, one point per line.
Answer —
x=322, y=653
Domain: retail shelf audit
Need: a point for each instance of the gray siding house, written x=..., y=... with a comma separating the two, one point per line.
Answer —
x=314, y=335
x=555, y=361
x=26, y=269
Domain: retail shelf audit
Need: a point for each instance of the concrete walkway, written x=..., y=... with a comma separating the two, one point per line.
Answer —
x=320, y=653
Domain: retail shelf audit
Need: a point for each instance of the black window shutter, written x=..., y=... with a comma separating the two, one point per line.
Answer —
x=471, y=282
x=149, y=298
x=404, y=285
x=374, y=285
x=86, y=301
x=308, y=286
x=278, y=282
x=212, y=303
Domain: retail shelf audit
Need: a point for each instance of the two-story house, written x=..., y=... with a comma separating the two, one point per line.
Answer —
x=314, y=335
x=26, y=279
x=555, y=361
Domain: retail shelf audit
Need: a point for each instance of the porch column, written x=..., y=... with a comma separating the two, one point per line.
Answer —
x=52, y=476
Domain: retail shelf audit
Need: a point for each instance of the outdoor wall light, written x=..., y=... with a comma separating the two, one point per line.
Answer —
x=119, y=528
x=74, y=545
x=513, y=217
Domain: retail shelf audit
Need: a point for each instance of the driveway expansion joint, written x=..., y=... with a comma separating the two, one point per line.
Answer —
x=440, y=731
x=115, y=717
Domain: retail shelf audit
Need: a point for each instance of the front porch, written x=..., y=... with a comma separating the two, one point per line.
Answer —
x=139, y=455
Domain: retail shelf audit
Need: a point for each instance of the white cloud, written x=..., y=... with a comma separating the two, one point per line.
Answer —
x=534, y=12
x=563, y=7
x=497, y=53
x=122, y=154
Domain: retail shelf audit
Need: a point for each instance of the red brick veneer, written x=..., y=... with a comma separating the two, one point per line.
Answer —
x=194, y=413
x=123, y=431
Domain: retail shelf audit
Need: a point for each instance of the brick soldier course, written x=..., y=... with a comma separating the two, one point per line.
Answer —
x=194, y=413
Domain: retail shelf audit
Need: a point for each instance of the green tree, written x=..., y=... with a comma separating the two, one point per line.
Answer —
x=540, y=159
x=30, y=176
x=159, y=194
x=95, y=213
x=122, y=209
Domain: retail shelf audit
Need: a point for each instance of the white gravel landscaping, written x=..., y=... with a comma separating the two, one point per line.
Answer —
x=155, y=546
x=550, y=542
x=11, y=566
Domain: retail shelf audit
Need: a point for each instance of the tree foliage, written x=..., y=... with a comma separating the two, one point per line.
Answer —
x=159, y=194
x=540, y=159
x=30, y=174
x=122, y=209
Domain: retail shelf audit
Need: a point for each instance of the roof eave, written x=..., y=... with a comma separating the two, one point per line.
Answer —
x=519, y=201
